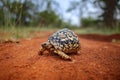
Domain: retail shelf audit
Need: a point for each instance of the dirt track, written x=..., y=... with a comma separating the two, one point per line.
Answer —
x=99, y=59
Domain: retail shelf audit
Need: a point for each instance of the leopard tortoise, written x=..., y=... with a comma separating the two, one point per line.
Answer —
x=62, y=43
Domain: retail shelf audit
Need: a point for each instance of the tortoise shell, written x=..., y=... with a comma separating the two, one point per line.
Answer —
x=65, y=40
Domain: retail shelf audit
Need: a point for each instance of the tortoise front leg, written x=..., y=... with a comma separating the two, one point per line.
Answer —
x=62, y=54
x=41, y=51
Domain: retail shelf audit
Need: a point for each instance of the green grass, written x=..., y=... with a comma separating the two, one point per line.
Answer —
x=16, y=33
x=93, y=30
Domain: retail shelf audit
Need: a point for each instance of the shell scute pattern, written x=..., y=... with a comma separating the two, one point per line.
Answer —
x=64, y=40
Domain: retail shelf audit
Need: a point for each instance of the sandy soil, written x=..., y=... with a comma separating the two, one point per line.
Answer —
x=99, y=59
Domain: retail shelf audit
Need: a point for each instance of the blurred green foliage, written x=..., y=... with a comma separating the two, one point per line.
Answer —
x=87, y=22
x=26, y=13
x=48, y=18
x=109, y=15
x=16, y=12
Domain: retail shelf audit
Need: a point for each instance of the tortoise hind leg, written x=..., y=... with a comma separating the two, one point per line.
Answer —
x=63, y=55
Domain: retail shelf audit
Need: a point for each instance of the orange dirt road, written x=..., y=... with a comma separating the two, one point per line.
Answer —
x=99, y=59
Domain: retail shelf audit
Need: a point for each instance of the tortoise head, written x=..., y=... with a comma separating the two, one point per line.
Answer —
x=46, y=45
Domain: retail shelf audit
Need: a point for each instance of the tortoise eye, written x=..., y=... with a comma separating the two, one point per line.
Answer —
x=44, y=45
x=70, y=36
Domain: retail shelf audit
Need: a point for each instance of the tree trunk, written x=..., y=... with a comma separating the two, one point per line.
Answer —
x=109, y=11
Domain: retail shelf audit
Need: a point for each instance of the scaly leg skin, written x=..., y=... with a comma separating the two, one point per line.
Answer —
x=63, y=55
x=77, y=53
x=41, y=51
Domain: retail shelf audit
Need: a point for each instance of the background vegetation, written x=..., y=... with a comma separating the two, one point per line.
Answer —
x=16, y=15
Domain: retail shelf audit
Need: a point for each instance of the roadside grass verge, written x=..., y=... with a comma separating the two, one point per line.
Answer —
x=94, y=30
x=16, y=33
